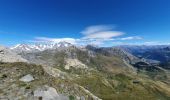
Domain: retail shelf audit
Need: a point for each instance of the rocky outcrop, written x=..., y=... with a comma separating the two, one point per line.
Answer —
x=7, y=55
x=74, y=63
x=114, y=51
x=49, y=93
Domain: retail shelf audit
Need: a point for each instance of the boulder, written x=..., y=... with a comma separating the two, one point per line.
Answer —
x=49, y=93
x=27, y=78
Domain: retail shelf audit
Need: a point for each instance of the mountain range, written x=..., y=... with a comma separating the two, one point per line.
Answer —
x=39, y=47
x=63, y=71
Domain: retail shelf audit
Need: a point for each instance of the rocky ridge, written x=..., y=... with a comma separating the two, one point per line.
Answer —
x=6, y=55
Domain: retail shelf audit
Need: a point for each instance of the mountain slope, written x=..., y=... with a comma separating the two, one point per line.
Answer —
x=60, y=57
x=43, y=86
x=91, y=84
x=159, y=54
x=104, y=72
x=6, y=55
x=86, y=73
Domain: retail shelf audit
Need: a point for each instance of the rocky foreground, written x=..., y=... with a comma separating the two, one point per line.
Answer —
x=21, y=81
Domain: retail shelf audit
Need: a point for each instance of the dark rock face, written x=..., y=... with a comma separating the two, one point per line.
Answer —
x=146, y=66
x=156, y=55
x=159, y=53
x=166, y=48
x=165, y=65
x=114, y=51
x=136, y=81
x=1, y=51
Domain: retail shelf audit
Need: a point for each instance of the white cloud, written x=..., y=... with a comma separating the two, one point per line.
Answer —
x=118, y=43
x=97, y=42
x=56, y=40
x=155, y=43
x=151, y=43
x=96, y=35
x=132, y=38
x=96, y=28
x=104, y=35
x=141, y=43
x=100, y=32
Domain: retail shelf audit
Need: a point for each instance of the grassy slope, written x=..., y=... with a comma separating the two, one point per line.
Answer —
x=113, y=81
x=121, y=87
x=110, y=78
x=10, y=73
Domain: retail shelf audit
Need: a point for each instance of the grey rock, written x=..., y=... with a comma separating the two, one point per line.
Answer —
x=27, y=78
x=6, y=55
x=49, y=93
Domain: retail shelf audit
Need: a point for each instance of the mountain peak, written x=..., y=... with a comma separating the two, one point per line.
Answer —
x=63, y=44
x=39, y=46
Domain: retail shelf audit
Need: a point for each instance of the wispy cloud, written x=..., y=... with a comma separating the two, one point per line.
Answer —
x=97, y=42
x=56, y=40
x=100, y=32
x=96, y=28
x=132, y=38
x=141, y=43
x=156, y=43
x=104, y=35
x=96, y=35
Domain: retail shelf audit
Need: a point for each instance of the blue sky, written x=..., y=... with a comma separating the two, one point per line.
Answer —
x=100, y=22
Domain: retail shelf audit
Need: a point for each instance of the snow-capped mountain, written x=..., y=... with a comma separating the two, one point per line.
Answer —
x=39, y=47
x=31, y=47
x=62, y=44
